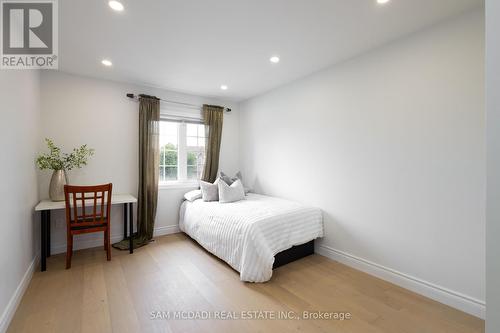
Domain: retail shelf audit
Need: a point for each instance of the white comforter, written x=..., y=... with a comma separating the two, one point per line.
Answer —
x=248, y=233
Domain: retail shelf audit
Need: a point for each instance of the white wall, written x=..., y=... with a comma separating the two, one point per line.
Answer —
x=19, y=120
x=78, y=110
x=391, y=146
x=493, y=178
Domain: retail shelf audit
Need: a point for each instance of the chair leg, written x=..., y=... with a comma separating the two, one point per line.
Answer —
x=108, y=244
x=105, y=240
x=69, y=251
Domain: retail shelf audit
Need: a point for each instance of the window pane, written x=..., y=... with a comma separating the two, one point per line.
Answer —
x=168, y=157
x=162, y=174
x=192, y=172
x=192, y=141
x=170, y=173
x=162, y=156
x=192, y=129
x=192, y=158
x=194, y=164
x=169, y=142
x=171, y=158
x=201, y=142
x=201, y=130
x=169, y=133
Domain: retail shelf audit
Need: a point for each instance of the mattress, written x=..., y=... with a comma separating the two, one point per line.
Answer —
x=248, y=234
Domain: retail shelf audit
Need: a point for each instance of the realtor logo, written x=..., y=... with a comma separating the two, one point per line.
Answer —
x=29, y=34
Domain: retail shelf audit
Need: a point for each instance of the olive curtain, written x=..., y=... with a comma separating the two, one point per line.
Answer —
x=149, y=155
x=213, y=119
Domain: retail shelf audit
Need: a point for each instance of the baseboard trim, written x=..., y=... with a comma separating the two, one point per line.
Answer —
x=166, y=230
x=441, y=294
x=11, y=307
x=86, y=244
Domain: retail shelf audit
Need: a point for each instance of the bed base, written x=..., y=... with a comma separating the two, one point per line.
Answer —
x=293, y=253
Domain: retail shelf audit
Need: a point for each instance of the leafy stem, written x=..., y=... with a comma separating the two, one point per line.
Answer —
x=55, y=160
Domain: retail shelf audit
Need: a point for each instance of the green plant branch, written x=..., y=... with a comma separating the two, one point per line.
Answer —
x=55, y=160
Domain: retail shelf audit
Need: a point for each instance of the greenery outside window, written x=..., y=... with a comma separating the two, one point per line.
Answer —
x=182, y=152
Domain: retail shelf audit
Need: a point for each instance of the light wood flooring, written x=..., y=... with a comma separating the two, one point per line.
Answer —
x=176, y=274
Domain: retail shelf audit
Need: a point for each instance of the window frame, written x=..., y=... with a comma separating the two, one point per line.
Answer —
x=182, y=154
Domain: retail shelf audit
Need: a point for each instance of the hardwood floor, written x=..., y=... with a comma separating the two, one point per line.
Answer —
x=176, y=274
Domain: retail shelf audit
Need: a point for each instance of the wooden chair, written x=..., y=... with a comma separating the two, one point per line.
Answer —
x=93, y=199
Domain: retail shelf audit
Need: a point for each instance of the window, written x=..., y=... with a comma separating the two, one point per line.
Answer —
x=182, y=151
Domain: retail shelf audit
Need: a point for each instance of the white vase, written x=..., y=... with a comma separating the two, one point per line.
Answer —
x=57, y=182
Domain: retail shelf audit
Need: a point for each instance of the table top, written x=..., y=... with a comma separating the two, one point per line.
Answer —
x=116, y=199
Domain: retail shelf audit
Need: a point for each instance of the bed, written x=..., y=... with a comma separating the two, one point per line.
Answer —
x=250, y=233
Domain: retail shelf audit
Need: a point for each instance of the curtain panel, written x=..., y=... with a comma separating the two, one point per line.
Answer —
x=149, y=156
x=213, y=118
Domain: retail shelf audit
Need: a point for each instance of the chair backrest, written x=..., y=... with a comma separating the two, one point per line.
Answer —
x=82, y=199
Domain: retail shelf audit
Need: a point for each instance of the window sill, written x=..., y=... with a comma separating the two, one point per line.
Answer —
x=178, y=185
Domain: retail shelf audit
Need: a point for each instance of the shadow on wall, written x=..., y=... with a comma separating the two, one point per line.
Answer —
x=334, y=229
x=256, y=186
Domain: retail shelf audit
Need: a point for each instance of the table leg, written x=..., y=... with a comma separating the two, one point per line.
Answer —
x=131, y=226
x=125, y=220
x=43, y=263
x=48, y=233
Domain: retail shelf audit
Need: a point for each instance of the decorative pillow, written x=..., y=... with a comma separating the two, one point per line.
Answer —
x=193, y=195
x=230, y=180
x=210, y=192
x=232, y=193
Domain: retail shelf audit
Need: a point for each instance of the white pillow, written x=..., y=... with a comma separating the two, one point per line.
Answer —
x=232, y=193
x=210, y=192
x=193, y=195
x=230, y=180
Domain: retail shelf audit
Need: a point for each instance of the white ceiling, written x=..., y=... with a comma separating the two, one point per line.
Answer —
x=194, y=46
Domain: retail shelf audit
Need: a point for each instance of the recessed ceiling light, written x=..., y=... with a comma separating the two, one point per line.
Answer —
x=107, y=63
x=223, y=87
x=116, y=5
x=382, y=1
x=274, y=59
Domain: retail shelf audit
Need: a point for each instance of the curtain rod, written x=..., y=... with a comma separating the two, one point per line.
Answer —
x=194, y=106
